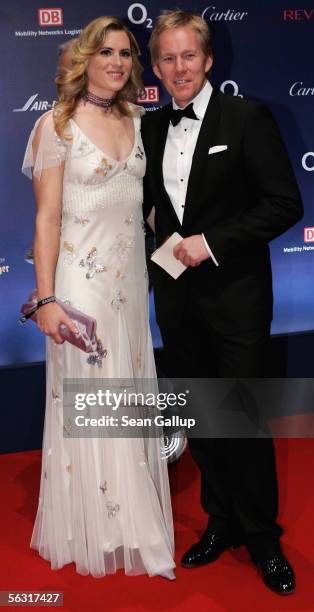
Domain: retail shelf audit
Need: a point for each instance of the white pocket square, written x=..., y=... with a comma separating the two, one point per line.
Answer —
x=217, y=149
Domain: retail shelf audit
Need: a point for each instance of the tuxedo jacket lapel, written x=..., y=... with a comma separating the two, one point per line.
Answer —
x=204, y=141
x=160, y=149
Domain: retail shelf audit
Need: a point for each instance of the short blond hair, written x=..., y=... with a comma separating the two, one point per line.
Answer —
x=178, y=19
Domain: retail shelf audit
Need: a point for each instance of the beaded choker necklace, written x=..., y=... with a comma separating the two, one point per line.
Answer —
x=97, y=101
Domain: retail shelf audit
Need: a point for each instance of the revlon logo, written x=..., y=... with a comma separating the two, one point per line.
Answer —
x=298, y=14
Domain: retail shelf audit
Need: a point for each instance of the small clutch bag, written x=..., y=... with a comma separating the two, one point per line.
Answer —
x=85, y=338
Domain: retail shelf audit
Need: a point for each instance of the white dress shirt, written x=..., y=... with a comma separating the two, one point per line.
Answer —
x=179, y=149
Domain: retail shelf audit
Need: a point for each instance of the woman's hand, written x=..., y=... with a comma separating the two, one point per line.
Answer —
x=49, y=318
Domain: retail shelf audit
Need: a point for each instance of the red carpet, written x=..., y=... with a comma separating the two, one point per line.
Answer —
x=229, y=584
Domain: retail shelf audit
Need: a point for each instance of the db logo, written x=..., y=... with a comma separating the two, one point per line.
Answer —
x=50, y=17
x=149, y=94
x=309, y=234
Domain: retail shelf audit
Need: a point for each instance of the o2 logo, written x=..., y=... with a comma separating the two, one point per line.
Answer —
x=308, y=161
x=230, y=87
x=137, y=14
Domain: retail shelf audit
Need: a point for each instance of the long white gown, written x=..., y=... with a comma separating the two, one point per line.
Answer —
x=104, y=503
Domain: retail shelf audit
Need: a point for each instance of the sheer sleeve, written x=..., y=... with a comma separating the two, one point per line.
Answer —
x=137, y=112
x=140, y=111
x=44, y=148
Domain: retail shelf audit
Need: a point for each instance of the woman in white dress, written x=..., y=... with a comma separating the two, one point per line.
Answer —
x=104, y=503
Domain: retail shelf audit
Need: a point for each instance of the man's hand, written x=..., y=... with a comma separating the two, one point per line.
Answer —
x=191, y=251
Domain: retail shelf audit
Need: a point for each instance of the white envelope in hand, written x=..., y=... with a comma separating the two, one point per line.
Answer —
x=217, y=149
x=164, y=257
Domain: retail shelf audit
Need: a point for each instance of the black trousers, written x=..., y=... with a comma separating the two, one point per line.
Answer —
x=238, y=475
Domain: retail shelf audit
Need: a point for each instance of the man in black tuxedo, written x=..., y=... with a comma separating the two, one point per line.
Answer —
x=219, y=175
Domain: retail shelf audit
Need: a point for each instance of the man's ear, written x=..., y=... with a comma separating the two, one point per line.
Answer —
x=209, y=63
x=156, y=71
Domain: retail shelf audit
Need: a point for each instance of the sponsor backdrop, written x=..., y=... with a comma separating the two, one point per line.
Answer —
x=262, y=50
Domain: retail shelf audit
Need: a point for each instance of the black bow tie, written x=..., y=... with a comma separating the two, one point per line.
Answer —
x=176, y=115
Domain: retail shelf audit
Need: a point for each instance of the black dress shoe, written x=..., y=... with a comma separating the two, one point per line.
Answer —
x=278, y=574
x=207, y=550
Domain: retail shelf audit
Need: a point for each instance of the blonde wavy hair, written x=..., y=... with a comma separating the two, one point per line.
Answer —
x=72, y=85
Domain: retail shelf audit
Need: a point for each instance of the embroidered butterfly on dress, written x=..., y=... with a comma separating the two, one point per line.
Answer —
x=97, y=357
x=104, y=167
x=69, y=253
x=81, y=220
x=112, y=509
x=93, y=263
x=118, y=300
x=139, y=153
x=122, y=245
